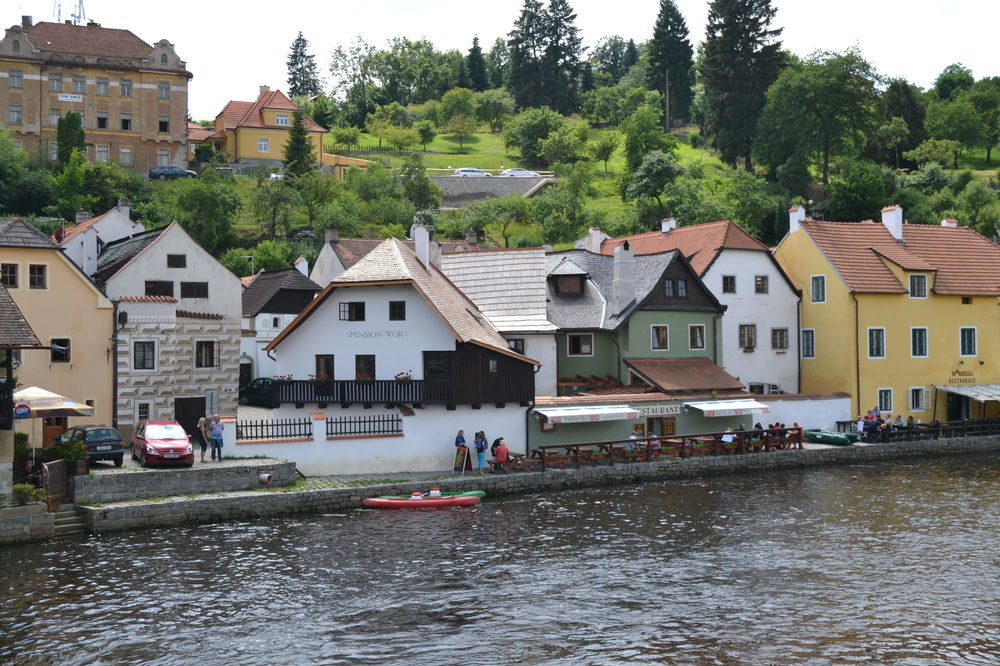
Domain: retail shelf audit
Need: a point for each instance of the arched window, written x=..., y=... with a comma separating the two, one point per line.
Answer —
x=16, y=46
x=163, y=58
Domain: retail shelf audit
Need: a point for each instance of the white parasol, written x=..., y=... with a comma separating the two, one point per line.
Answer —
x=34, y=402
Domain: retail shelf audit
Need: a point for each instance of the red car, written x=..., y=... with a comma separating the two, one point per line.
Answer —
x=161, y=442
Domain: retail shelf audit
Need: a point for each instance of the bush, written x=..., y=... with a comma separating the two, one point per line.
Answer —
x=69, y=451
x=695, y=140
x=25, y=493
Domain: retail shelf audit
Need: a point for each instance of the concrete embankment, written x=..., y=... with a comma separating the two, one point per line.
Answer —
x=261, y=504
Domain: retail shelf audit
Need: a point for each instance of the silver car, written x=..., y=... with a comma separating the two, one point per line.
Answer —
x=471, y=172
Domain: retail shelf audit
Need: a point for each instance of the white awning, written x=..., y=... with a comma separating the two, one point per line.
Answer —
x=584, y=414
x=980, y=392
x=729, y=407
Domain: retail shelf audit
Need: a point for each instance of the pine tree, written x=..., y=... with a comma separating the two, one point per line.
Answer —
x=561, y=60
x=631, y=56
x=497, y=63
x=526, y=45
x=303, y=77
x=299, y=158
x=475, y=63
x=742, y=58
x=670, y=50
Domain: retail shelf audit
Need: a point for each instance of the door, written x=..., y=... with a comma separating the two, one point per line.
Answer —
x=187, y=411
x=958, y=407
x=52, y=427
x=662, y=426
x=246, y=373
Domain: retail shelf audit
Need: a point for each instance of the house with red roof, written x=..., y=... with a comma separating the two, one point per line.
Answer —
x=84, y=241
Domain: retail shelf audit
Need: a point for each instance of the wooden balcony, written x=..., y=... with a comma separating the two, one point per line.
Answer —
x=367, y=392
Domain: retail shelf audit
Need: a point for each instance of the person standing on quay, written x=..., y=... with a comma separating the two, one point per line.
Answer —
x=201, y=433
x=481, y=445
x=460, y=439
x=217, y=427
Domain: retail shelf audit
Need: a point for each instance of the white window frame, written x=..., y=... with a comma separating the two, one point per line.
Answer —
x=53, y=151
x=767, y=284
x=281, y=120
x=138, y=410
x=926, y=281
x=704, y=342
x=803, y=347
x=80, y=85
x=263, y=144
x=102, y=153
x=156, y=356
x=927, y=342
x=975, y=341
x=774, y=330
x=812, y=288
x=162, y=157
x=682, y=288
x=15, y=79
x=653, y=340
x=160, y=87
x=125, y=88
x=878, y=393
x=922, y=407
x=54, y=116
x=55, y=82
x=122, y=153
x=15, y=114
x=216, y=352
x=739, y=330
x=571, y=335
x=101, y=86
x=881, y=330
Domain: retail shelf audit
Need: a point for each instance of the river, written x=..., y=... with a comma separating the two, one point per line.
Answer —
x=888, y=563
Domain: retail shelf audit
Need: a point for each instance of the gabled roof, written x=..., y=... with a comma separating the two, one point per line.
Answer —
x=196, y=132
x=965, y=263
x=566, y=267
x=700, y=243
x=508, y=286
x=14, y=329
x=232, y=113
x=351, y=250
x=253, y=112
x=16, y=232
x=268, y=283
x=87, y=40
x=117, y=254
x=684, y=374
x=79, y=228
x=394, y=263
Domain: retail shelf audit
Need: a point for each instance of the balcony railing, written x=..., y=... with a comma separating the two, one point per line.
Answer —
x=352, y=392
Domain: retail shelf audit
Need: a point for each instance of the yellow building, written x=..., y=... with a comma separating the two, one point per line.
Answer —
x=66, y=309
x=131, y=95
x=903, y=317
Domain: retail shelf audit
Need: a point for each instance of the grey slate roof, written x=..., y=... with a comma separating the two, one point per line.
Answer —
x=567, y=266
x=15, y=232
x=269, y=283
x=118, y=253
x=14, y=330
x=590, y=309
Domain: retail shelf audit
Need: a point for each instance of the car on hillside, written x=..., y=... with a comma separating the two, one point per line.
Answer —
x=470, y=172
x=161, y=442
x=101, y=442
x=518, y=172
x=257, y=392
x=169, y=172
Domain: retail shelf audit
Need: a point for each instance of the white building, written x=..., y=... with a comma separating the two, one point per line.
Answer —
x=404, y=360
x=760, y=329
x=84, y=241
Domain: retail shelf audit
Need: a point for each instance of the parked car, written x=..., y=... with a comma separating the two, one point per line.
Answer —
x=471, y=172
x=169, y=172
x=257, y=392
x=101, y=442
x=161, y=442
x=518, y=172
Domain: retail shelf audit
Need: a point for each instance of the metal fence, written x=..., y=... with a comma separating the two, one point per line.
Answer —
x=350, y=426
x=931, y=430
x=274, y=429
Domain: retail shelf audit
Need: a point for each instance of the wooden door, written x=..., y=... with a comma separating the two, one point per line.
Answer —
x=662, y=426
x=187, y=411
x=52, y=427
x=246, y=373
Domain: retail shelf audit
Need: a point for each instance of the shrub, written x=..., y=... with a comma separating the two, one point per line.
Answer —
x=695, y=140
x=25, y=493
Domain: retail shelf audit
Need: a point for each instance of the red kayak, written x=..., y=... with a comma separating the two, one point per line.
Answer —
x=424, y=502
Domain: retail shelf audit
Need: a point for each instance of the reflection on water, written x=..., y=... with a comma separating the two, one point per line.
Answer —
x=884, y=563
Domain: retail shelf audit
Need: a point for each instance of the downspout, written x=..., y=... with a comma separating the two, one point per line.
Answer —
x=798, y=332
x=857, y=353
x=715, y=338
x=114, y=366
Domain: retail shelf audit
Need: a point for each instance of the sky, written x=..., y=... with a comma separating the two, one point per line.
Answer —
x=234, y=46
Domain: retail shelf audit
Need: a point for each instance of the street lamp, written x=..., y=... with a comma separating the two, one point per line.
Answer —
x=250, y=257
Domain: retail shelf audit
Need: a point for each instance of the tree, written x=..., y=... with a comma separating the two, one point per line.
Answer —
x=425, y=131
x=458, y=100
x=938, y=151
x=560, y=65
x=299, y=157
x=68, y=186
x=271, y=200
x=316, y=190
x=526, y=130
x=903, y=99
x=460, y=125
x=526, y=46
x=857, y=193
x=953, y=80
x=417, y=187
x=893, y=134
x=670, y=50
x=347, y=137
x=740, y=61
x=354, y=80
x=475, y=63
x=984, y=97
x=610, y=58
x=562, y=145
x=657, y=170
x=206, y=208
x=497, y=63
x=956, y=120
x=303, y=77
x=643, y=135
x=400, y=137
x=493, y=107
x=604, y=147
x=70, y=136
x=323, y=111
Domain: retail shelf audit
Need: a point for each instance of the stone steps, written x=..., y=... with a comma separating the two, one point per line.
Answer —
x=66, y=521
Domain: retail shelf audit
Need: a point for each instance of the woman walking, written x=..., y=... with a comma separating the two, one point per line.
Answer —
x=481, y=445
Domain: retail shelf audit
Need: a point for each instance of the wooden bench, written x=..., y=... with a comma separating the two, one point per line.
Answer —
x=516, y=462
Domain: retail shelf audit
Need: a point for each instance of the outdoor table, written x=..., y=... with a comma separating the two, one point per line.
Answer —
x=701, y=445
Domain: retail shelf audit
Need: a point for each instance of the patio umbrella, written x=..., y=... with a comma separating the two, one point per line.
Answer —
x=34, y=402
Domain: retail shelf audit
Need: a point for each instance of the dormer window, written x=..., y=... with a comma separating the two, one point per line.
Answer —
x=675, y=288
x=281, y=119
x=918, y=286
x=569, y=284
x=16, y=46
x=163, y=58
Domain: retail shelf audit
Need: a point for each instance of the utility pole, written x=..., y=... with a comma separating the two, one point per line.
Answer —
x=666, y=100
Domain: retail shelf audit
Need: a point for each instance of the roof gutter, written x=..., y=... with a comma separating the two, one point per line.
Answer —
x=857, y=352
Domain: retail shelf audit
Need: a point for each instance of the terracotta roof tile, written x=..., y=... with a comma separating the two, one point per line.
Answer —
x=77, y=228
x=684, y=374
x=147, y=299
x=87, y=40
x=251, y=114
x=187, y=314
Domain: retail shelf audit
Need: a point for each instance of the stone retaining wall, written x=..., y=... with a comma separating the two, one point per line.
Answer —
x=25, y=523
x=263, y=504
x=123, y=486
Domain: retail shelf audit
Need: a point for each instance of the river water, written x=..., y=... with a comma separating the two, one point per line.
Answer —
x=887, y=563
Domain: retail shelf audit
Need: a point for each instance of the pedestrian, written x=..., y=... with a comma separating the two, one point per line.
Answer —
x=216, y=428
x=460, y=439
x=481, y=445
x=502, y=456
x=201, y=433
x=633, y=442
x=493, y=447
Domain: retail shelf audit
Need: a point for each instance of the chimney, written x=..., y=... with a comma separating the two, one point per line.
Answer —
x=331, y=235
x=667, y=225
x=422, y=244
x=623, y=282
x=892, y=219
x=796, y=214
x=435, y=253
x=26, y=22
x=82, y=215
x=595, y=237
x=949, y=222
x=471, y=237
x=124, y=206
x=302, y=266
x=264, y=89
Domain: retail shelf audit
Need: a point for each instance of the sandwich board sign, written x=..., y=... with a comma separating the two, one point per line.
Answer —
x=463, y=461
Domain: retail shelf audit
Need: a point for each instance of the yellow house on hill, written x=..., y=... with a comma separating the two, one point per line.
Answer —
x=903, y=317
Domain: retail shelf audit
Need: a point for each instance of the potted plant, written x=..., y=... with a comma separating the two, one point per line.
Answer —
x=364, y=377
x=404, y=376
x=75, y=455
x=319, y=379
x=25, y=493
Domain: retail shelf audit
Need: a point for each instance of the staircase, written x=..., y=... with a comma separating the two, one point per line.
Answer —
x=67, y=521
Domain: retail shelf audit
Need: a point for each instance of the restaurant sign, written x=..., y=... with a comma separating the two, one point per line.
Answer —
x=962, y=377
x=659, y=410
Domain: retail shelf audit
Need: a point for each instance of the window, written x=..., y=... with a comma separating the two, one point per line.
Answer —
x=967, y=341
x=125, y=88
x=204, y=354
x=79, y=85
x=176, y=261
x=808, y=343
x=17, y=143
x=125, y=155
x=660, y=337
x=818, y=292
x=60, y=350
x=194, y=290
x=516, y=344
x=159, y=288
x=756, y=388
x=14, y=114
x=16, y=46
x=102, y=86
x=36, y=276
x=493, y=365
x=876, y=343
x=397, y=310
x=101, y=153
x=966, y=300
x=364, y=367
x=569, y=284
x=263, y=145
x=696, y=336
x=918, y=286
x=14, y=79
x=54, y=116
x=728, y=284
x=779, y=339
x=8, y=275
x=352, y=311
x=281, y=119
x=163, y=58
x=918, y=402
x=885, y=400
x=918, y=342
x=163, y=90
x=748, y=336
x=162, y=157
x=324, y=367
x=102, y=120
x=760, y=284
x=53, y=151
x=144, y=355
x=142, y=411
x=55, y=82
x=164, y=124
x=275, y=323
x=126, y=120
x=437, y=365
x=668, y=288
x=580, y=344
x=682, y=289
